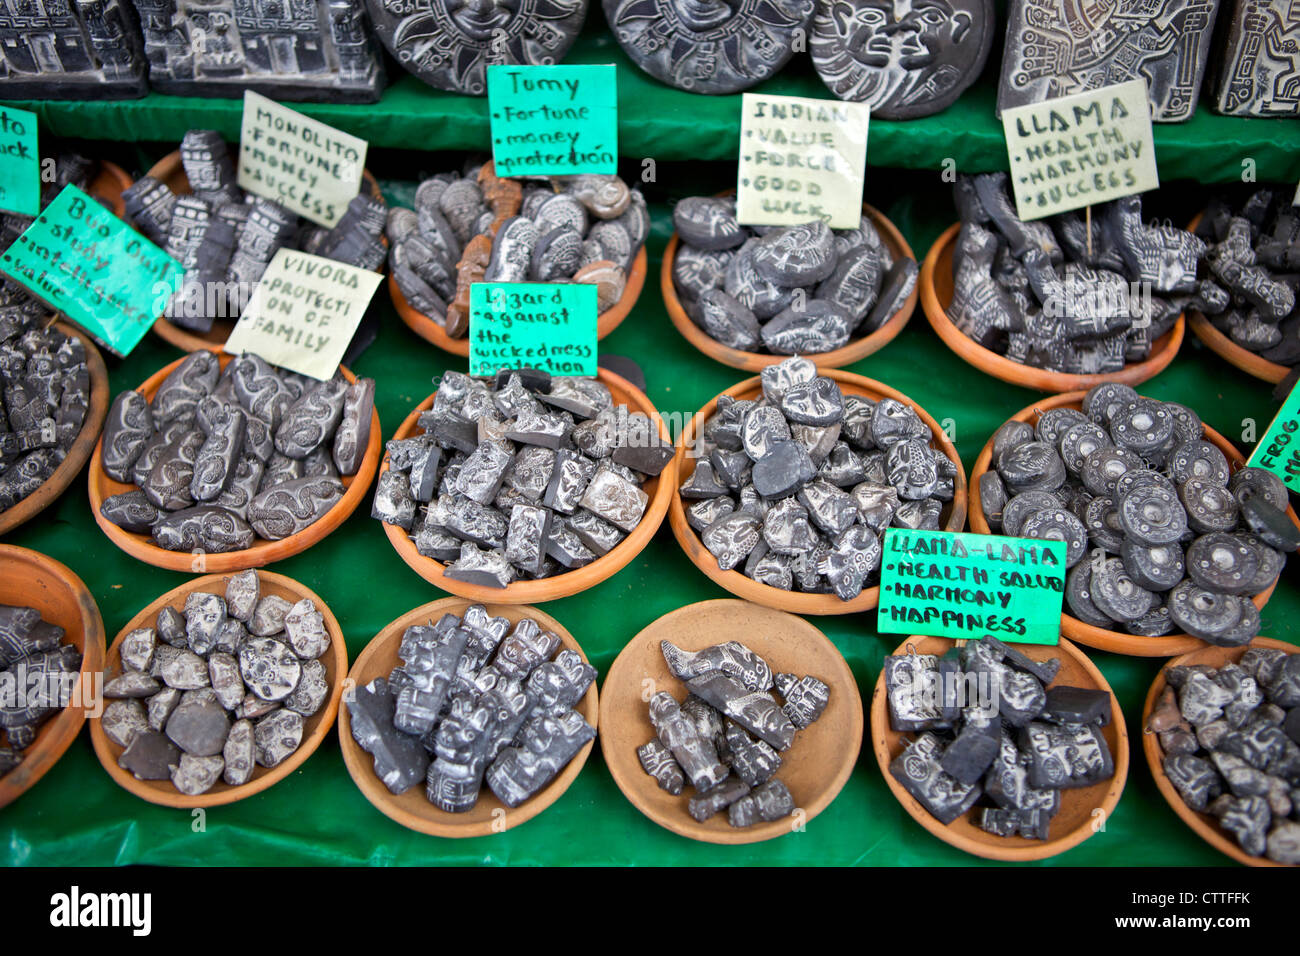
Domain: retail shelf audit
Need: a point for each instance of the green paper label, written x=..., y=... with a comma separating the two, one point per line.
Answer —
x=801, y=159
x=961, y=585
x=1279, y=450
x=88, y=264
x=1079, y=150
x=20, y=163
x=551, y=326
x=553, y=120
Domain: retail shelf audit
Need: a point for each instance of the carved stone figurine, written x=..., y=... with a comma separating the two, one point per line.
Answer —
x=709, y=46
x=657, y=760
x=462, y=743
x=546, y=745
x=695, y=754
x=1258, y=65
x=313, y=50
x=1057, y=47
x=450, y=43
x=904, y=58
x=70, y=49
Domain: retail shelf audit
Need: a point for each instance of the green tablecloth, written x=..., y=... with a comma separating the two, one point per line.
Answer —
x=76, y=814
x=666, y=124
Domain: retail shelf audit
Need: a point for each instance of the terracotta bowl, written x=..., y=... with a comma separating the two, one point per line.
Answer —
x=262, y=552
x=1083, y=810
x=1252, y=363
x=936, y=295
x=109, y=181
x=856, y=349
x=1117, y=642
x=815, y=767
x=170, y=171
x=659, y=489
x=29, y=579
x=431, y=330
x=82, y=445
x=412, y=809
x=315, y=727
x=1206, y=826
x=953, y=517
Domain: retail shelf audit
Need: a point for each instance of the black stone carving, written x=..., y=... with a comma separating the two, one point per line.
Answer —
x=1054, y=49
x=903, y=60
x=450, y=45
x=88, y=49
x=712, y=47
x=316, y=50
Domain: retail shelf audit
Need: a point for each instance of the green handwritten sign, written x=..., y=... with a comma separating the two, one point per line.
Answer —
x=537, y=324
x=85, y=262
x=1077, y=150
x=553, y=120
x=20, y=163
x=968, y=585
x=1279, y=450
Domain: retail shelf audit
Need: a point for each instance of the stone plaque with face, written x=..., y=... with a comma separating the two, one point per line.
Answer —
x=1058, y=47
x=709, y=46
x=450, y=43
x=905, y=58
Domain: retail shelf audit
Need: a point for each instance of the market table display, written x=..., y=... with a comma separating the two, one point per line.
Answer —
x=317, y=815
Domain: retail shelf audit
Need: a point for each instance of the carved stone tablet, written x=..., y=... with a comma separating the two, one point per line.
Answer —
x=1257, y=66
x=902, y=59
x=449, y=45
x=1056, y=48
x=713, y=46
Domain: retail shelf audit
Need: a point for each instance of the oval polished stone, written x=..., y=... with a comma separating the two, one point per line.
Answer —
x=728, y=321
x=1156, y=568
x=127, y=430
x=783, y=470
x=1032, y=466
x=708, y=223
x=743, y=282
x=1116, y=594
x=697, y=270
x=292, y=506
x=269, y=668
x=819, y=402
x=796, y=256
x=1209, y=505
x=1053, y=423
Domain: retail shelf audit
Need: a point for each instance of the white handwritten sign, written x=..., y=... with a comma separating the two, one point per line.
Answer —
x=1078, y=150
x=801, y=159
x=303, y=313
x=303, y=164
